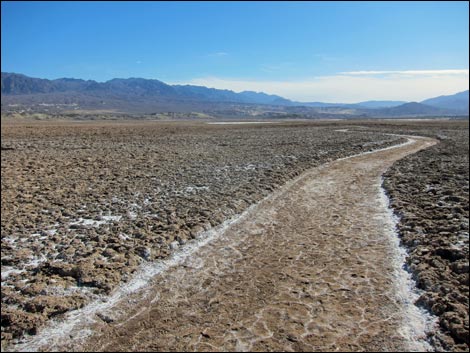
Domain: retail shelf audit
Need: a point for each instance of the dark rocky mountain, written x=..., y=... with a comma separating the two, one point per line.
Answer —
x=206, y=94
x=17, y=84
x=458, y=102
x=138, y=95
x=21, y=84
x=223, y=95
x=137, y=87
x=263, y=98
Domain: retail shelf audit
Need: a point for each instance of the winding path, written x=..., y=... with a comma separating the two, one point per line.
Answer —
x=314, y=267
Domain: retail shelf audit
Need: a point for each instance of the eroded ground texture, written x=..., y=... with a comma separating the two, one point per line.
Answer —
x=314, y=266
x=430, y=194
x=84, y=204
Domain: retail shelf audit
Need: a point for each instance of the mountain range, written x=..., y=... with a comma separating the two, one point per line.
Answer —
x=138, y=95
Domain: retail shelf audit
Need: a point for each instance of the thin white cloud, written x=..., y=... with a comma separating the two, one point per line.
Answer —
x=351, y=88
x=407, y=72
x=218, y=54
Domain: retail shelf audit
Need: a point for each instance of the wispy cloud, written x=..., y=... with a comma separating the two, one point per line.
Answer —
x=407, y=72
x=350, y=88
x=218, y=54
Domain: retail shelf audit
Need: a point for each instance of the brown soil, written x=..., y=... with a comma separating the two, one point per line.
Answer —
x=154, y=175
x=84, y=204
x=311, y=268
x=429, y=192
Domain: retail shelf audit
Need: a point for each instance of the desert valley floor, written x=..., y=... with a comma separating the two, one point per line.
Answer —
x=312, y=263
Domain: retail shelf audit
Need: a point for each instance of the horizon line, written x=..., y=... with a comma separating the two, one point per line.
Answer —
x=352, y=74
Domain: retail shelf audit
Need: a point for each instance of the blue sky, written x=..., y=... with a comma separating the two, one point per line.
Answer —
x=309, y=51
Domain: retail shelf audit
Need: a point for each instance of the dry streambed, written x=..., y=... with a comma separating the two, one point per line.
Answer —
x=84, y=205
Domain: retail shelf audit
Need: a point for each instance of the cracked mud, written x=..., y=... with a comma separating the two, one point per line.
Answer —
x=311, y=267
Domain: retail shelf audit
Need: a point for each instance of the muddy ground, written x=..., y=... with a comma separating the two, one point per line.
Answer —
x=84, y=204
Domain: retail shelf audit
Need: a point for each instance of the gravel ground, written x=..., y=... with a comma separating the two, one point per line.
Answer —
x=84, y=204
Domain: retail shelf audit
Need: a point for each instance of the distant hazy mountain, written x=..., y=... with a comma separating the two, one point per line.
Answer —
x=367, y=104
x=380, y=104
x=322, y=105
x=458, y=101
x=413, y=109
x=148, y=95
